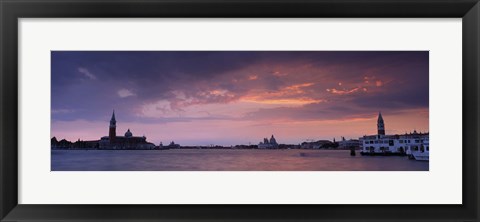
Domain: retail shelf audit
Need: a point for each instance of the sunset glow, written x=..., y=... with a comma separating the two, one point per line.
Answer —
x=238, y=97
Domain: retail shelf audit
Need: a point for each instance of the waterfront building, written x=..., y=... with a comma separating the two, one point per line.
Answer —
x=268, y=144
x=62, y=144
x=348, y=144
x=320, y=144
x=173, y=145
x=128, y=141
x=400, y=144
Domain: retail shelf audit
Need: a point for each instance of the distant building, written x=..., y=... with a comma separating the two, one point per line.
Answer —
x=393, y=144
x=320, y=144
x=62, y=144
x=268, y=144
x=128, y=141
x=172, y=145
x=348, y=144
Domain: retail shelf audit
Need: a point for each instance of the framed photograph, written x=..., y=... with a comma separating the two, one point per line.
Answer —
x=213, y=105
x=226, y=110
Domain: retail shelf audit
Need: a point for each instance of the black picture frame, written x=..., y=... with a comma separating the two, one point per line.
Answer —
x=12, y=10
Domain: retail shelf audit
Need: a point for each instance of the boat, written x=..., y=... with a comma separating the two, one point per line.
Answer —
x=421, y=156
x=421, y=152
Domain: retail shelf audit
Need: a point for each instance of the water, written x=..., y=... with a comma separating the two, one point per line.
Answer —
x=227, y=160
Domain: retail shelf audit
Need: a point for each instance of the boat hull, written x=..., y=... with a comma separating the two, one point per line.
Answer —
x=381, y=154
x=421, y=156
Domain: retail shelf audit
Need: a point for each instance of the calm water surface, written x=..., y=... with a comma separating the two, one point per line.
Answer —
x=227, y=160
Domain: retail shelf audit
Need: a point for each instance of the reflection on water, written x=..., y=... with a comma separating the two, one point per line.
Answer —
x=227, y=160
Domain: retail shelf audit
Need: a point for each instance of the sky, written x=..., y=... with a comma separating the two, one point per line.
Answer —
x=238, y=97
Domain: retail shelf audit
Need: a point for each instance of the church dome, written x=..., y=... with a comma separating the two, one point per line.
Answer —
x=128, y=133
x=273, y=140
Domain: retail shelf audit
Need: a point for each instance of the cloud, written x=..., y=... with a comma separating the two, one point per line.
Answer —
x=285, y=102
x=62, y=111
x=87, y=73
x=343, y=91
x=188, y=85
x=124, y=93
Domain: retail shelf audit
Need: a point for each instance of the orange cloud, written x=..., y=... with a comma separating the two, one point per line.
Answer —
x=344, y=91
x=294, y=95
x=278, y=73
x=297, y=88
x=299, y=101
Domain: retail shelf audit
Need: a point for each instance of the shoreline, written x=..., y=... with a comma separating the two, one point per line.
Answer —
x=213, y=148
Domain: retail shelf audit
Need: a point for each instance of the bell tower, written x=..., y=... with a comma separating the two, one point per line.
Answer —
x=380, y=125
x=113, y=128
